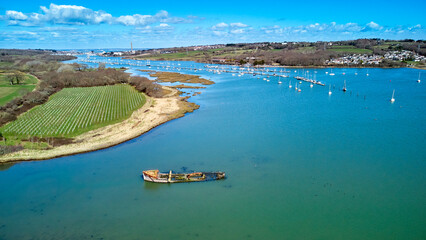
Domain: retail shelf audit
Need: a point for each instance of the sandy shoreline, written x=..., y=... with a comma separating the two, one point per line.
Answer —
x=153, y=113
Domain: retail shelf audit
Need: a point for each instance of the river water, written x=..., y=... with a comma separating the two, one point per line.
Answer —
x=300, y=165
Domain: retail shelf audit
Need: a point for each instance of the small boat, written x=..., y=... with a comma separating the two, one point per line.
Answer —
x=393, y=99
x=157, y=177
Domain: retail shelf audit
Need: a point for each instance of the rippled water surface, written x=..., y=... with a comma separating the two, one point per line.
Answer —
x=300, y=165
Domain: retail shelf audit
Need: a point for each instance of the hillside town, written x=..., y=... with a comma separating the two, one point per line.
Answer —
x=375, y=59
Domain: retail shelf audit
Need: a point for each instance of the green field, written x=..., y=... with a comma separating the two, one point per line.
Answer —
x=349, y=49
x=9, y=92
x=198, y=54
x=73, y=111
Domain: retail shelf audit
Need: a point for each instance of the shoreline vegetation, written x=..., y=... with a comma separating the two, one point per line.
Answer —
x=161, y=104
x=360, y=53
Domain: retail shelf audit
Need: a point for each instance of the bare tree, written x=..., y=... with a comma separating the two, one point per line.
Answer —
x=19, y=77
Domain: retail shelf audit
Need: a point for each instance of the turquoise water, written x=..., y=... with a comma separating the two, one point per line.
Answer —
x=300, y=165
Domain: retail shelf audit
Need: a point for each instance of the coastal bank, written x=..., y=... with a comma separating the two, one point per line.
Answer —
x=153, y=113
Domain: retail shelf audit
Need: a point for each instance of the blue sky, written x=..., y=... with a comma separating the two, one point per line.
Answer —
x=152, y=24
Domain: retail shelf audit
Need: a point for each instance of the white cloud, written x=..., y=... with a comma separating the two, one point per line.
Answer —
x=219, y=33
x=159, y=29
x=374, y=25
x=79, y=15
x=225, y=29
x=318, y=28
x=72, y=14
x=141, y=20
x=221, y=25
x=414, y=28
x=237, y=31
x=14, y=15
x=239, y=25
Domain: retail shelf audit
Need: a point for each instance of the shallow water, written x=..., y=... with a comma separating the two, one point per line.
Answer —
x=300, y=166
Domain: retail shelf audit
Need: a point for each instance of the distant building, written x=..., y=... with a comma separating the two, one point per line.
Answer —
x=219, y=60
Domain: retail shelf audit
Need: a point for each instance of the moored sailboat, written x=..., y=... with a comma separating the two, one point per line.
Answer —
x=393, y=97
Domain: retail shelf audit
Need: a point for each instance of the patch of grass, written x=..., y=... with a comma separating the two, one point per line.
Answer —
x=9, y=92
x=73, y=111
x=26, y=143
x=6, y=64
x=27, y=79
x=417, y=64
x=196, y=55
x=350, y=49
x=186, y=86
x=342, y=46
x=178, y=77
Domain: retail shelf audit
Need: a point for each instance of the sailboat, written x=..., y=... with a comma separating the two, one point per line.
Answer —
x=393, y=99
x=331, y=73
x=344, y=86
x=418, y=80
x=329, y=90
x=367, y=72
x=289, y=85
x=279, y=80
x=148, y=62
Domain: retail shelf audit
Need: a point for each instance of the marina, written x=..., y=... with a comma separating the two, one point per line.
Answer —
x=287, y=154
x=197, y=120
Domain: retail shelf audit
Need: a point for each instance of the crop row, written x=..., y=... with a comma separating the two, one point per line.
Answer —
x=75, y=110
